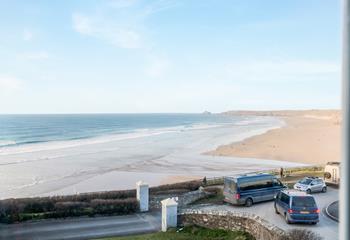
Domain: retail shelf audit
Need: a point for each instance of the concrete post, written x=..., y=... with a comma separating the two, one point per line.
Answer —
x=142, y=195
x=169, y=213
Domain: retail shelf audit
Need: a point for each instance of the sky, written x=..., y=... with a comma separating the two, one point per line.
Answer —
x=160, y=56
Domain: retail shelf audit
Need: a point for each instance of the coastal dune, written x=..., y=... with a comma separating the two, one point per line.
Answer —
x=310, y=136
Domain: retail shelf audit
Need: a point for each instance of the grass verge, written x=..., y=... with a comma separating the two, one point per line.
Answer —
x=192, y=233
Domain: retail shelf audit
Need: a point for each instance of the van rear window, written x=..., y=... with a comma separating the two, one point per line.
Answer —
x=230, y=184
x=303, y=202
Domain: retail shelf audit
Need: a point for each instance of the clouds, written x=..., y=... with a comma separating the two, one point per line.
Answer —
x=157, y=67
x=190, y=55
x=121, y=23
x=39, y=55
x=117, y=34
x=82, y=24
x=9, y=84
x=281, y=70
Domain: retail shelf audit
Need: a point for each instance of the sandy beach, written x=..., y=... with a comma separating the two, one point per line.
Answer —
x=310, y=136
x=110, y=162
x=259, y=141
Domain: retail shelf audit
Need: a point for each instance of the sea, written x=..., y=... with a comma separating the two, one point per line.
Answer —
x=53, y=154
x=17, y=130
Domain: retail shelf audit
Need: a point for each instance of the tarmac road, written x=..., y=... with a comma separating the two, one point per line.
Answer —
x=82, y=228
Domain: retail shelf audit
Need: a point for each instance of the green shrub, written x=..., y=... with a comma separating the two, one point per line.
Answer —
x=88, y=204
x=189, y=186
x=116, y=206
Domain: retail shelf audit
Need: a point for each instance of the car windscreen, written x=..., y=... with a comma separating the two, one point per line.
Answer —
x=305, y=181
x=303, y=202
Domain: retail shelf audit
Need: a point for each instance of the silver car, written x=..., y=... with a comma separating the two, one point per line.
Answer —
x=311, y=184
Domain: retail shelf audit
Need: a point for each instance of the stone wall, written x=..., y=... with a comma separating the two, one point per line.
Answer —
x=183, y=199
x=259, y=228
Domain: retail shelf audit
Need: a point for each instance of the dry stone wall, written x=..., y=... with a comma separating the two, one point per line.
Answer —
x=259, y=228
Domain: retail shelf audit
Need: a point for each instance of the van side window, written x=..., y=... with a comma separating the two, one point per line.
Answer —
x=285, y=198
x=255, y=184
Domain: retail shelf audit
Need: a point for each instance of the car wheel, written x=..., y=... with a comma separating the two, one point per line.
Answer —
x=276, y=211
x=314, y=223
x=308, y=191
x=324, y=189
x=248, y=202
x=286, y=218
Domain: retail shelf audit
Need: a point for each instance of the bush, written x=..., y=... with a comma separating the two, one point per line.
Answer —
x=116, y=206
x=90, y=204
x=301, y=234
x=187, y=186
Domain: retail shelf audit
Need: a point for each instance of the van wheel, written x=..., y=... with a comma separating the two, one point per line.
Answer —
x=324, y=189
x=248, y=202
x=276, y=211
x=286, y=218
x=308, y=191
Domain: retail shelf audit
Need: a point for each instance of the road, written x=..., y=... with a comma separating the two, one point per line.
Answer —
x=83, y=228
x=327, y=228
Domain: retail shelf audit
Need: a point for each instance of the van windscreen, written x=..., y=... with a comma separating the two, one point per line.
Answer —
x=303, y=202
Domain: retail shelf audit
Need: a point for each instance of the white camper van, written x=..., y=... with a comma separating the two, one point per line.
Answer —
x=332, y=173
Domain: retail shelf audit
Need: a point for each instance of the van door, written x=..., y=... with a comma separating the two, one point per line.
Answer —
x=284, y=203
x=269, y=190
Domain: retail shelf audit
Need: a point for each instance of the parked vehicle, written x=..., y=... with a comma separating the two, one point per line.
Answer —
x=311, y=185
x=297, y=207
x=249, y=189
x=332, y=173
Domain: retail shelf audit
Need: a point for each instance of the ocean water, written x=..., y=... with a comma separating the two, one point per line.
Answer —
x=64, y=154
x=18, y=130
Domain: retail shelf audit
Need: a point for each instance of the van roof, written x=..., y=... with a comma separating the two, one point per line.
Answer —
x=333, y=163
x=292, y=192
x=249, y=175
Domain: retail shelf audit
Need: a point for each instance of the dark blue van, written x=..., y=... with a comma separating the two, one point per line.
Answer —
x=252, y=188
x=297, y=207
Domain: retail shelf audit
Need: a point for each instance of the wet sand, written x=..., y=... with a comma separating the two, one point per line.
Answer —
x=311, y=136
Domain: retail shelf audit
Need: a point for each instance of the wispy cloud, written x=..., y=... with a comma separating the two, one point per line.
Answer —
x=113, y=33
x=126, y=28
x=40, y=55
x=270, y=70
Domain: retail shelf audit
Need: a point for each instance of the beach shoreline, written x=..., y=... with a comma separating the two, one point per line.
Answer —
x=117, y=164
x=309, y=136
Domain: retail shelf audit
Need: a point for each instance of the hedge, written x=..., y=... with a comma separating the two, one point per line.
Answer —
x=84, y=204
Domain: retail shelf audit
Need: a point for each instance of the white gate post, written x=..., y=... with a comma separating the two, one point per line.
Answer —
x=142, y=195
x=169, y=213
